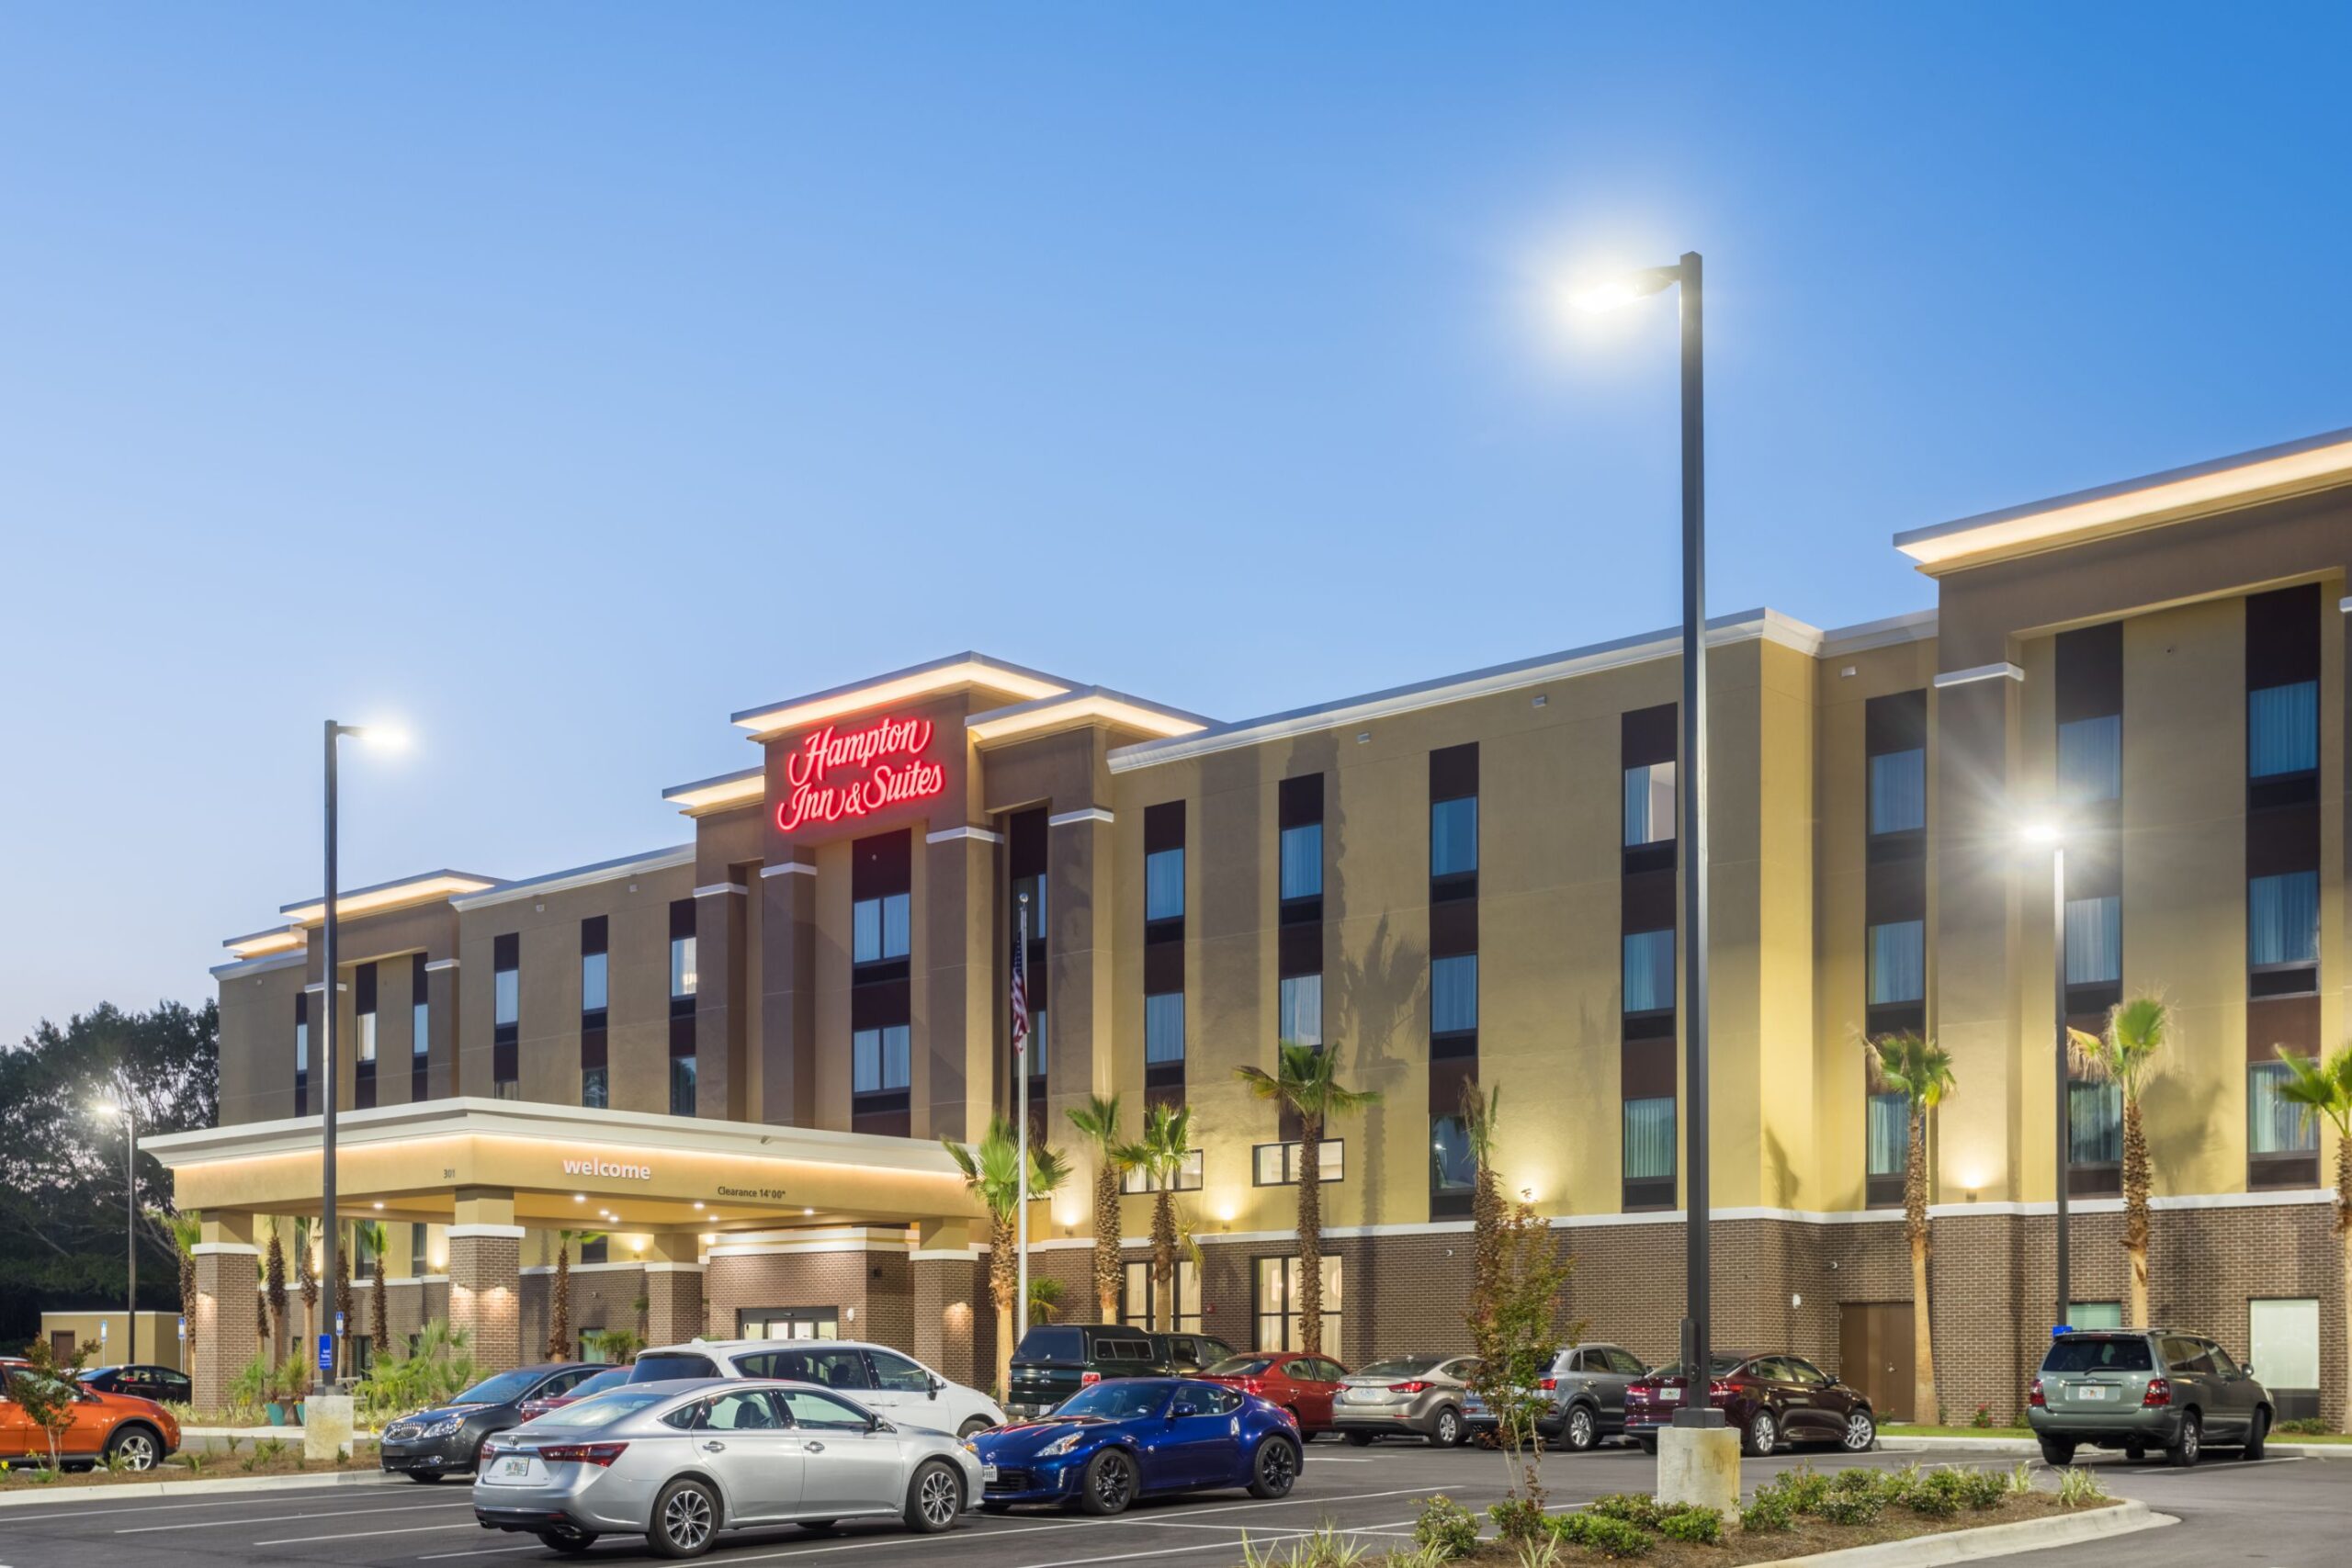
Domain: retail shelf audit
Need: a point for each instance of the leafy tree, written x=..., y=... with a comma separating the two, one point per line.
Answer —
x=1160, y=1154
x=2124, y=1054
x=1306, y=1081
x=2323, y=1089
x=560, y=1298
x=991, y=1171
x=1098, y=1123
x=44, y=1389
x=1918, y=1069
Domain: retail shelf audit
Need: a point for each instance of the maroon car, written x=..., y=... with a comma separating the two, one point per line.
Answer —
x=1771, y=1401
x=610, y=1377
x=1300, y=1383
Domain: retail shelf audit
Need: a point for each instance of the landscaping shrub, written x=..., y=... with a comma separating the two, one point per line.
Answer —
x=1853, y=1497
x=1601, y=1534
x=1445, y=1528
x=1937, y=1494
x=2079, y=1488
x=1634, y=1509
x=2304, y=1427
x=1805, y=1487
x=1983, y=1488
x=1983, y=1419
x=1692, y=1522
x=1516, y=1520
x=1770, y=1512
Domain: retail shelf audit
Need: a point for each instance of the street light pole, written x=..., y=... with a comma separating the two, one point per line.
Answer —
x=2065, y=1079
x=334, y=732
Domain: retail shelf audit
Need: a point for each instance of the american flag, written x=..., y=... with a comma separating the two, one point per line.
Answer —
x=1020, y=992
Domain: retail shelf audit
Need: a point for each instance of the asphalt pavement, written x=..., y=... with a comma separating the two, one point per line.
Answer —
x=2281, y=1513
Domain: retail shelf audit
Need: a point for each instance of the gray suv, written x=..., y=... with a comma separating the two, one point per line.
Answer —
x=2142, y=1389
x=1586, y=1391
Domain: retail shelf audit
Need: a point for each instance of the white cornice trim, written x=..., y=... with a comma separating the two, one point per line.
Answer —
x=487, y=1233
x=674, y=1267
x=946, y=835
x=2002, y=671
x=224, y=1248
x=579, y=877
x=1892, y=631
x=948, y=1254
x=319, y=985
x=790, y=868
x=585, y=1268
x=1083, y=814
x=244, y=967
x=817, y=1239
x=437, y=965
x=717, y=887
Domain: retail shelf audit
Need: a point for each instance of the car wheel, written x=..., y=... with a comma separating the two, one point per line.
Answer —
x=1446, y=1431
x=571, y=1542
x=425, y=1477
x=2257, y=1435
x=934, y=1498
x=1862, y=1433
x=1649, y=1446
x=2057, y=1451
x=1275, y=1470
x=1581, y=1431
x=686, y=1516
x=134, y=1447
x=2135, y=1454
x=1760, y=1436
x=1358, y=1439
x=2184, y=1452
x=976, y=1424
x=1109, y=1484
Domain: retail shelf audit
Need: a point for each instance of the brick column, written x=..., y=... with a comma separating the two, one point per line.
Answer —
x=486, y=1277
x=949, y=1289
x=673, y=1304
x=223, y=1326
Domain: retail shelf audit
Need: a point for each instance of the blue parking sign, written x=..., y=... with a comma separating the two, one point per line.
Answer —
x=326, y=1352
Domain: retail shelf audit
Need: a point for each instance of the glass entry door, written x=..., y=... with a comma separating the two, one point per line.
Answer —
x=789, y=1323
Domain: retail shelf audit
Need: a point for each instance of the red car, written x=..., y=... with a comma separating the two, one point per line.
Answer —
x=1300, y=1383
x=610, y=1377
x=1771, y=1401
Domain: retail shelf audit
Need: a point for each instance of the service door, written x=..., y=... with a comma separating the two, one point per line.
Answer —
x=1874, y=1355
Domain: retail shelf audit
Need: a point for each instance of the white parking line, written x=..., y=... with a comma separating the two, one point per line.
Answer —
x=134, y=1508
x=480, y=1552
x=280, y=1519
x=367, y=1535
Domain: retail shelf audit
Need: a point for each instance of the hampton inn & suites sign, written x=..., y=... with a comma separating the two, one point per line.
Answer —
x=839, y=773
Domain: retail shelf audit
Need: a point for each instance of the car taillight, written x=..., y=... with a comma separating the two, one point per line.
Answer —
x=1718, y=1388
x=1287, y=1414
x=1088, y=1380
x=1416, y=1386
x=1547, y=1384
x=2159, y=1392
x=598, y=1454
x=2035, y=1397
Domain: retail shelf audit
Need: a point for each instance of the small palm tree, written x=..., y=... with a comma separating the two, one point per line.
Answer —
x=1098, y=1122
x=991, y=1171
x=305, y=1233
x=560, y=1298
x=376, y=1238
x=188, y=1230
x=1306, y=1081
x=1919, y=1070
x=2324, y=1091
x=274, y=1283
x=2124, y=1054
x=1160, y=1154
x=1045, y=1299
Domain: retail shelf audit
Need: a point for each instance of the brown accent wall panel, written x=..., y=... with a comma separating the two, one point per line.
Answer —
x=2282, y=838
x=1163, y=826
x=2272, y=1021
x=1163, y=967
x=878, y=1004
x=1446, y=1080
x=1454, y=927
x=1300, y=800
x=1645, y=900
x=1897, y=890
x=1646, y=1069
x=1895, y=722
x=1301, y=949
x=2283, y=635
x=1648, y=735
x=1025, y=834
x=882, y=865
x=2090, y=671
x=1454, y=772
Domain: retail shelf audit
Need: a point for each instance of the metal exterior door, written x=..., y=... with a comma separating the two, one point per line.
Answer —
x=1875, y=1355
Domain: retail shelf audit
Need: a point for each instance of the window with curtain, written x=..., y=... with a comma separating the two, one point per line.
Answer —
x=1140, y=1299
x=2090, y=758
x=2094, y=1123
x=1277, y=1165
x=1899, y=791
x=682, y=1085
x=2275, y=1126
x=1301, y=1009
x=1649, y=971
x=2282, y=919
x=594, y=982
x=1454, y=994
x=1649, y=804
x=1649, y=1138
x=681, y=966
x=1453, y=1167
x=1453, y=835
x=1163, y=885
x=506, y=997
x=881, y=928
x=596, y=1087
x=1890, y=1133
x=1163, y=1028
x=1278, y=1303
x=881, y=1059
x=1188, y=1176
x=366, y=1050
x=2094, y=940
x=2282, y=729
x=301, y=1036
x=1302, y=862
x=420, y=1027
x=1899, y=962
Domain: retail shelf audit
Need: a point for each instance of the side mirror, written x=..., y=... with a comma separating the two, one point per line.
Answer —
x=936, y=1386
x=1182, y=1408
x=2247, y=1367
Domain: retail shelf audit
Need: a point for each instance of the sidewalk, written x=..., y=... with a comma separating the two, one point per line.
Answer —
x=2028, y=1448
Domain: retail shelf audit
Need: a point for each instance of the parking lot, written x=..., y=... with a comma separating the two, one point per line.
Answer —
x=2283, y=1512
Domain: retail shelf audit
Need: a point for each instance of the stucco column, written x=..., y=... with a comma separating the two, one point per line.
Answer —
x=223, y=1326
x=787, y=893
x=720, y=1080
x=1078, y=953
x=959, y=1003
x=673, y=1306
x=441, y=1029
x=485, y=1278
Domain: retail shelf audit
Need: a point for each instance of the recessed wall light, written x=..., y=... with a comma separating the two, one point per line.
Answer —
x=1363, y=737
x=1539, y=699
x=1847, y=673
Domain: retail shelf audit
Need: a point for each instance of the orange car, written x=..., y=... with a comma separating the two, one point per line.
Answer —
x=137, y=1433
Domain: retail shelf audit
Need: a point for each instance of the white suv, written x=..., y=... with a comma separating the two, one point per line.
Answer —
x=888, y=1383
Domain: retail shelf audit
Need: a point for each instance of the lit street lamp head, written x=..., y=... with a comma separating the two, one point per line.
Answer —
x=2041, y=833
x=1616, y=292
x=389, y=737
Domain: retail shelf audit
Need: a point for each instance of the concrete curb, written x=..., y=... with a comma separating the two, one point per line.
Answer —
x=1991, y=1540
x=2025, y=1448
x=60, y=1491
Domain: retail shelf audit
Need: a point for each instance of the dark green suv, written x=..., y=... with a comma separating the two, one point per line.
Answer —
x=2142, y=1389
x=1052, y=1363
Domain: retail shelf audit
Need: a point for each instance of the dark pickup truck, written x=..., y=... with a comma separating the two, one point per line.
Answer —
x=1052, y=1363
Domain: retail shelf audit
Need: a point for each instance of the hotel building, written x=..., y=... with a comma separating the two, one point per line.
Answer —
x=736, y=1057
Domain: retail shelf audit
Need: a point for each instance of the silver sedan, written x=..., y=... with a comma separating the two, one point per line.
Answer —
x=677, y=1462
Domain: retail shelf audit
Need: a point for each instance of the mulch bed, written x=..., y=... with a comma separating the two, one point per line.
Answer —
x=1808, y=1534
x=248, y=1461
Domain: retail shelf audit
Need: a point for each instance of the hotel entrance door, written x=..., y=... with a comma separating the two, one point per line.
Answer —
x=789, y=1323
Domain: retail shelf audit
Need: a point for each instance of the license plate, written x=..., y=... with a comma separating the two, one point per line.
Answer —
x=2090, y=1392
x=1668, y=1395
x=512, y=1470
x=988, y=1473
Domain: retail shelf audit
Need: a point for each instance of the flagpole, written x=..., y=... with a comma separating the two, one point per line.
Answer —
x=1020, y=1076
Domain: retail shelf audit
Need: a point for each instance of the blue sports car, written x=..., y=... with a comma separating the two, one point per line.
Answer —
x=1114, y=1442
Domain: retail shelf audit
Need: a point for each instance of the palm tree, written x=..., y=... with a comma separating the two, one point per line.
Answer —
x=2324, y=1091
x=991, y=1171
x=560, y=1298
x=1306, y=1081
x=274, y=1283
x=1480, y=1112
x=1045, y=1299
x=378, y=1238
x=303, y=1233
x=2124, y=1054
x=1160, y=1154
x=1098, y=1122
x=188, y=1230
x=1919, y=1070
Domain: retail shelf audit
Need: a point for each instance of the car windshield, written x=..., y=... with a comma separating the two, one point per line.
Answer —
x=601, y=1410
x=1240, y=1366
x=1052, y=1344
x=612, y=1378
x=1409, y=1367
x=2098, y=1353
x=1723, y=1366
x=1118, y=1401
x=662, y=1367
x=501, y=1389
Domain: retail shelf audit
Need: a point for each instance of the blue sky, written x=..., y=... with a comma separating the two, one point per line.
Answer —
x=558, y=378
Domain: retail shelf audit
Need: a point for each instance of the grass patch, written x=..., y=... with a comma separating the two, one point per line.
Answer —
x=1912, y=1429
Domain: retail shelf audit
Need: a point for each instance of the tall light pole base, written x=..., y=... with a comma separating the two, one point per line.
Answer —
x=326, y=1425
x=1699, y=1464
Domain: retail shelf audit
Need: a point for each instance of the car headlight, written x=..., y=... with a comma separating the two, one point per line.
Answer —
x=1061, y=1445
x=968, y=1446
x=444, y=1428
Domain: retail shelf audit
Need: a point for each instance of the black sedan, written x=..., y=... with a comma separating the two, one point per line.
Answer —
x=164, y=1385
x=448, y=1438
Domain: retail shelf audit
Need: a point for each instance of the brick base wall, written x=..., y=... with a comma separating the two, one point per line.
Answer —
x=223, y=1327
x=485, y=1299
x=601, y=1298
x=673, y=1309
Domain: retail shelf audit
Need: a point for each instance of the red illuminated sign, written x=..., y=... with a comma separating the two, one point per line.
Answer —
x=838, y=773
